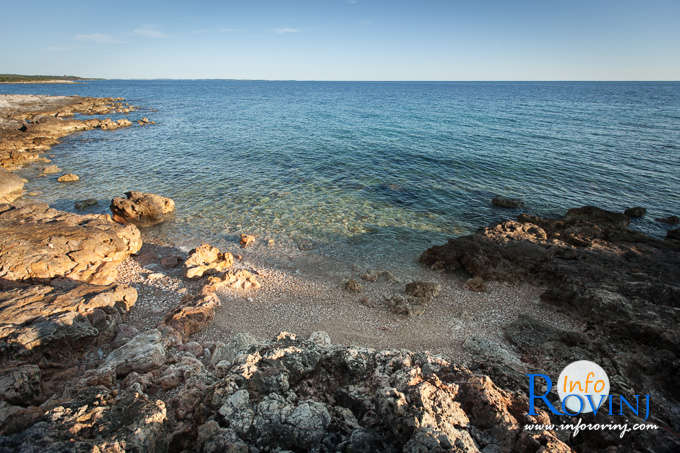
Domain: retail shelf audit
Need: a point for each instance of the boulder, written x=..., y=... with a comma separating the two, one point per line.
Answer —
x=38, y=242
x=11, y=186
x=207, y=259
x=141, y=208
x=635, y=212
x=508, y=203
x=423, y=290
x=50, y=170
x=68, y=177
x=142, y=353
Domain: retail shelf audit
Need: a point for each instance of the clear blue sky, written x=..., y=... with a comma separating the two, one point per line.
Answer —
x=345, y=39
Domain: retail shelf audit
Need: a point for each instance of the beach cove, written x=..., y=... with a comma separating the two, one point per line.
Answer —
x=193, y=343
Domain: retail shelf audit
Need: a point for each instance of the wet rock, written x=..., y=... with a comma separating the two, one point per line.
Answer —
x=247, y=240
x=68, y=177
x=207, y=259
x=671, y=220
x=142, y=208
x=37, y=242
x=508, y=203
x=352, y=286
x=635, y=212
x=11, y=186
x=84, y=204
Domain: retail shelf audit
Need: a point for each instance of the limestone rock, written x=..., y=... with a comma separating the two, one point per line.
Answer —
x=240, y=279
x=40, y=315
x=68, y=177
x=96, y=419
x=142, y=208
x=20, y=384
x=194, y=313
x=50, y=170
x=207, y=259
x=37, y=242
x=11, y=186
x=142, y=353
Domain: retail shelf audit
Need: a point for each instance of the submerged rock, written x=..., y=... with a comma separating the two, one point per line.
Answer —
x=504, y=202
x=671, y=220
x=84, y=204
x=635, y=212
x=142, y=208
x=51, y=169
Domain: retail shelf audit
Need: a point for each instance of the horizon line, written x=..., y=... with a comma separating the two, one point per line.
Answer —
x=95, y=79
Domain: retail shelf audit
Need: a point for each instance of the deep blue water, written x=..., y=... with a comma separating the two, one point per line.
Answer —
x=376, y=165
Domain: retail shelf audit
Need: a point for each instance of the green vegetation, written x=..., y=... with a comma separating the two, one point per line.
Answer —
x=36, y=78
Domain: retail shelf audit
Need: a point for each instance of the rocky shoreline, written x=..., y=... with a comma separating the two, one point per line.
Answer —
x=76, y=375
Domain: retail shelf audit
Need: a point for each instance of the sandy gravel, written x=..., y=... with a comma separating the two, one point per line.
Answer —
x=303, y=291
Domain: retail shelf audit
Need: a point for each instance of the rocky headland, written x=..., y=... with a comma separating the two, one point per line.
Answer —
x=82, y=370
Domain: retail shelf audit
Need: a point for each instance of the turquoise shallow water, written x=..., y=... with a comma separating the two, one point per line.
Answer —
x=375, y=167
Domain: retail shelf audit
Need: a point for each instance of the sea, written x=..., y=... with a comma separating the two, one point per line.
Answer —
x=377, y=170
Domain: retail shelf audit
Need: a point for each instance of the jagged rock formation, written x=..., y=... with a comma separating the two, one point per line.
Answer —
x=621, y=284
x=302, y=395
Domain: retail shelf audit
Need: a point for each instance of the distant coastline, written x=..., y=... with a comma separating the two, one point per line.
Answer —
x=31, y=79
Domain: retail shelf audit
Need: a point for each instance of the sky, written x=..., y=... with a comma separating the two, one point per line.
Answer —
x=345, y=39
